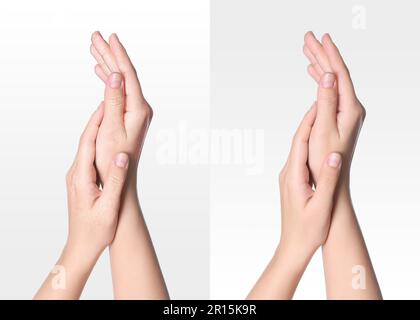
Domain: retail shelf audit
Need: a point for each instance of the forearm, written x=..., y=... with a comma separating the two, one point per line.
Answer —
x=281, y=277
x=349, y=273
x=68, y=277
x=135, y=268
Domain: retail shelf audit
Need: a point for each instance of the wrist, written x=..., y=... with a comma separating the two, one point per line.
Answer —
x=80, y=258
x=293, y=258
x=343, y=194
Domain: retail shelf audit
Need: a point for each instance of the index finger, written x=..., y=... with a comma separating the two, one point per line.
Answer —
x=87, y=146
x=299, y=151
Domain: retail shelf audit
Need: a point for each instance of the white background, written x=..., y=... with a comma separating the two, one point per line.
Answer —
x=48, y=91
x=257, y=81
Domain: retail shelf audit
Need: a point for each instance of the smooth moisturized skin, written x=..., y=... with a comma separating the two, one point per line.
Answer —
x=93, y=215
x=306, y=216
x=135, y=269
x=345, y=249
x=332, y=125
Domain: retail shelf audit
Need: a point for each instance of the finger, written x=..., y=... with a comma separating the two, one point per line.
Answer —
x=86, y=151
x=114, y=184
x=299, y=151
x=327, y=102
x=100, y=73
x=313, y=73
x=323, y=198
x=338, y=66
x=99, y=60
x=316, y=49
x=132, y=85
x=104, y=51
x=114, y=100
x=312, y=60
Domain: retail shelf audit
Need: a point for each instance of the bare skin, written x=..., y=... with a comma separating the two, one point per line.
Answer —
x=136, y=272
x=337, y=126
x=333, y=127
x=93, y=216
x=306, y=216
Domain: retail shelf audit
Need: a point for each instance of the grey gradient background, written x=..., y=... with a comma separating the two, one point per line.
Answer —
x=214, y=65
x=259, y=80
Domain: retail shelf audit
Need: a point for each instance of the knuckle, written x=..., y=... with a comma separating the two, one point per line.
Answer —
x=359, y=112
x=363, y=112
x=82, y=137
x=150, y=112
x=134, y=70
x=296, y=137
x=115, y=179
x=328, y=99
x=115, y=100
x=282, y=177
x=86, y=138
x=69, y=176
x=145, y=112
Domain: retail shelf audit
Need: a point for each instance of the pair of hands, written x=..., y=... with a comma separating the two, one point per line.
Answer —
x=103, y=204
x=315, y=192
x=319, y=159
x=105, y=167
x=318, y=166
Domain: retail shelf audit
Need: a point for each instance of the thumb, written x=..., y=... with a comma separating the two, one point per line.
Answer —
x=114, y=183
x=114, y=100
x=327, y=100
x=327, y=182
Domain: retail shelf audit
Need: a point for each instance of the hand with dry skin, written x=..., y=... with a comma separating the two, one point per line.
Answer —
x=93, y=215
x=127, y=113
x=135, y=269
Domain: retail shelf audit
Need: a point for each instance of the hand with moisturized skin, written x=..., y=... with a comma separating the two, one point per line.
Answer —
x=135, y=268
x=339, y=119
x=306, y=216
x=93, y=214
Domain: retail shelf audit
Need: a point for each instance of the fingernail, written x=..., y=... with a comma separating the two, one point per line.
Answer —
x=334, y=160
x=97, y=33
x=115, y=80
x=116, y=37
x=328, y=80
x=121, y=160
